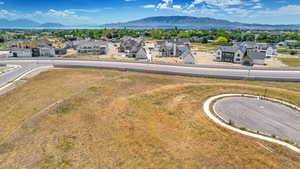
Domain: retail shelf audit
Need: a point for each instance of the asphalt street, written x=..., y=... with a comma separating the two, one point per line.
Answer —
x=187, y=70
x=17, y=72
x=261, y=115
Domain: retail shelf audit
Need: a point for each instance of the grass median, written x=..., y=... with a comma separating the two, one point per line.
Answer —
x=88, y=118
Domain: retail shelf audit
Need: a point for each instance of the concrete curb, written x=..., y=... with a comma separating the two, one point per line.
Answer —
x=208, y=112
x=10, y=68
x=184, y=70
x=22, y=76
x=156, y=63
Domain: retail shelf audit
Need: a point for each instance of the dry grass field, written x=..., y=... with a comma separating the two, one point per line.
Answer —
x=92, y=119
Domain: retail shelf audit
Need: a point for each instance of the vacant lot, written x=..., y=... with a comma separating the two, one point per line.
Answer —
x=201, y=47
x=291, y=62
x=90, y=119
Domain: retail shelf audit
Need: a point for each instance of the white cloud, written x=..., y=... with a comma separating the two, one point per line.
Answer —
x=86, y=10
x=217, y=3
x=165, y=4
x=208, y=7
x=149, y=6
x=284, y=10
x=6, y=14
x=257, y=6
x=52, y=15
x=177, y=7
x=64, y=13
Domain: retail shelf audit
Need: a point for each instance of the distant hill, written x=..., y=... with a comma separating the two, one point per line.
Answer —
x=188, y=22
x=51, y=25
x=18, y=23
x=4, y=23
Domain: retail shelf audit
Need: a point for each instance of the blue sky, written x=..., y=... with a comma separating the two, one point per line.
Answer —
x=107, y=11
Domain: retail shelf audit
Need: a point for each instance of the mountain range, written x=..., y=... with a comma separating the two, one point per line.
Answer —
x=162, y=22
x=188, y=22
x=4, y=23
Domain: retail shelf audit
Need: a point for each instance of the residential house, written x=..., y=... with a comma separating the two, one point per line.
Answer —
x=233, y=54
x=56, y=42
x=243, y=53
x=187, y=57
x=60, y=51
x=47, y=51
x=290, y=43
x=267, y=48
x=130, y=46
x=180, y=49
x=171, y=49
x=92, y=48
x=26, y=44
x=254, y=57
x=144, y=54
x=21, y=52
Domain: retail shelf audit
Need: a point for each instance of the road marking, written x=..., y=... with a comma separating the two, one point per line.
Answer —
x=22, y=76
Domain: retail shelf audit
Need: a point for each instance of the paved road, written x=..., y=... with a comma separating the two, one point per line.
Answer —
x=261, y=115
x=17, y=72
x=187, y=70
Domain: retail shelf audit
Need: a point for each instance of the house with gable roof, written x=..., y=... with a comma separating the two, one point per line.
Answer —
x=242, y=53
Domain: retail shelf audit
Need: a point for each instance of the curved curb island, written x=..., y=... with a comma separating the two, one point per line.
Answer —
x=207, y=110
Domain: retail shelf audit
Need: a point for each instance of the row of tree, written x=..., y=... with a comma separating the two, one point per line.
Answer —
x=221, y=36
x=194, y=35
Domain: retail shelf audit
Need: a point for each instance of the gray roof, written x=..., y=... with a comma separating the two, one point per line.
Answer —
x=187, y=57
x=247, y=45
x=265, y=46
x=161, y=42
x=256, y=55
x=231, y=49
x=21, y=49
x=129, y=42
x=183, y=48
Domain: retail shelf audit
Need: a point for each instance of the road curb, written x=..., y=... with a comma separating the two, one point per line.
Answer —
x=208, y=112
x=22, y=76
x=10, y=68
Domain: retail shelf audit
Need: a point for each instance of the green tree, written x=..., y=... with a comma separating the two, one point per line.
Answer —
x=222, y=40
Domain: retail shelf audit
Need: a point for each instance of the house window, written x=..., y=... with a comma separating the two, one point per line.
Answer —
x=238, y=60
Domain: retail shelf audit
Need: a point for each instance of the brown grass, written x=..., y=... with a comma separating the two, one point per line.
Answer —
x=86, y=118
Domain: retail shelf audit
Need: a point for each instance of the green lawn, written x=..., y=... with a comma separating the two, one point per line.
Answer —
x=288, y=51
x=291, y=62
x=1, y=45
